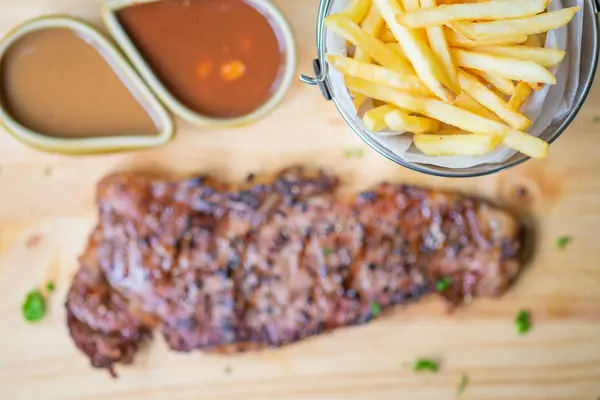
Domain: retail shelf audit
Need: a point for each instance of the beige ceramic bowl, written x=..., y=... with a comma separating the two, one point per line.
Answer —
x=273, y=14
x=127, y=74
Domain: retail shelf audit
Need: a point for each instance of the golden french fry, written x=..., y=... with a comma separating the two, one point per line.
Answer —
x=356, y=10
x=439, y=45
x=456, y=145
x=386, y=36
x=456, y=39
x=410, y=5
x=399, y=120
x=358, y=100
x=529, y=145
x=522, y=92
x=468, y=103
x=418, y=52
x=397, y=49
x=503, y=85
x=503, y=66
x=543, y=56
x=374, y=47
x=525, y=26
x=488, y=10
x=371, y=24
x=489, y=99
x=378, y=74
x=446, y=129
x=374, y=119
x=537, y=40
x=452, y=115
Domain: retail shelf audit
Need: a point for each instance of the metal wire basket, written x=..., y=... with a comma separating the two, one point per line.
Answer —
x=587, y=70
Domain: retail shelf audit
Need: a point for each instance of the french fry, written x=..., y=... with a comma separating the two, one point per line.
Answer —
x=411, y=5
x=358, y=100
x=397, y=49
x=522, y=92
x=503, y=85
x=543, y=56
x=468, y=103
x=375, y=48
x=356, y=10
x=446, y=129
x=529, y=145
x=456, y=39
x=386, y=36
x=374, y=119
x=418, y=52
x=371, y=24
x=537, y=40
x=503, y=66
x=378, y=74
x=489, y=99
x=456, y=145
x=452, y=115
x=401, y=121
x=525, y=26
x=488, y=10
x=439, y=45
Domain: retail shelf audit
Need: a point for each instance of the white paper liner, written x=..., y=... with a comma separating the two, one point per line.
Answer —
x=554, y=100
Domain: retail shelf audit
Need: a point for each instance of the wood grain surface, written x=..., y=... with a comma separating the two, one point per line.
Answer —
x=46, y=211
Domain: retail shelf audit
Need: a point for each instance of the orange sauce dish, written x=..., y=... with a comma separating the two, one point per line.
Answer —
x=219, y=58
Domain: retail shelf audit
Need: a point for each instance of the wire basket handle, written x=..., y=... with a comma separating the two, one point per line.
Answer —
x=319, y=64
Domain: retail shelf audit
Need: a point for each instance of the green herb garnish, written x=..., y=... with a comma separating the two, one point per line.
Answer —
x=349, y=153
x=47, y=171
x=34, y=307
x=523, y=322
x=50, y=287
x=327, y=251
x=562, y=242
x=464, y=382
x=228, y=370
x=375, y=309
x=443, y=284
x=424, y=364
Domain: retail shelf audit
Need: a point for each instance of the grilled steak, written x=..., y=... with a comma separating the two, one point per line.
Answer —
x=224, y=268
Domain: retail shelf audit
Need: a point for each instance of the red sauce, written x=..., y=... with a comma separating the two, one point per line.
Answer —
x=221, y=58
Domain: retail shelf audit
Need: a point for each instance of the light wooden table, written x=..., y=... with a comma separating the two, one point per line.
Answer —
x=49, y=199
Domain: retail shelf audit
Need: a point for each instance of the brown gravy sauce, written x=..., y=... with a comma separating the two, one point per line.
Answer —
x=56, y=83
x=221, y=58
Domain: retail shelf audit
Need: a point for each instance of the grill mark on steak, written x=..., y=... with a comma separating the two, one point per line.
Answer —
x=273, y=261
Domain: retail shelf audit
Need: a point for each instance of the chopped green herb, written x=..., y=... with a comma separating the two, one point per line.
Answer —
x=562, y=242
x=34, y=307
x=228, y=370
x=327, y=251
x=47, y=171
x=375, y=309
x=523, y=322
x=424, y=364
x=349, y=153
x=443, y=284
x=50, y=287
x=464, y=382
x=596, y=119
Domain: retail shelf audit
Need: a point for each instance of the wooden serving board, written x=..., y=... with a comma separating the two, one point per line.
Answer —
x=47, y=210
